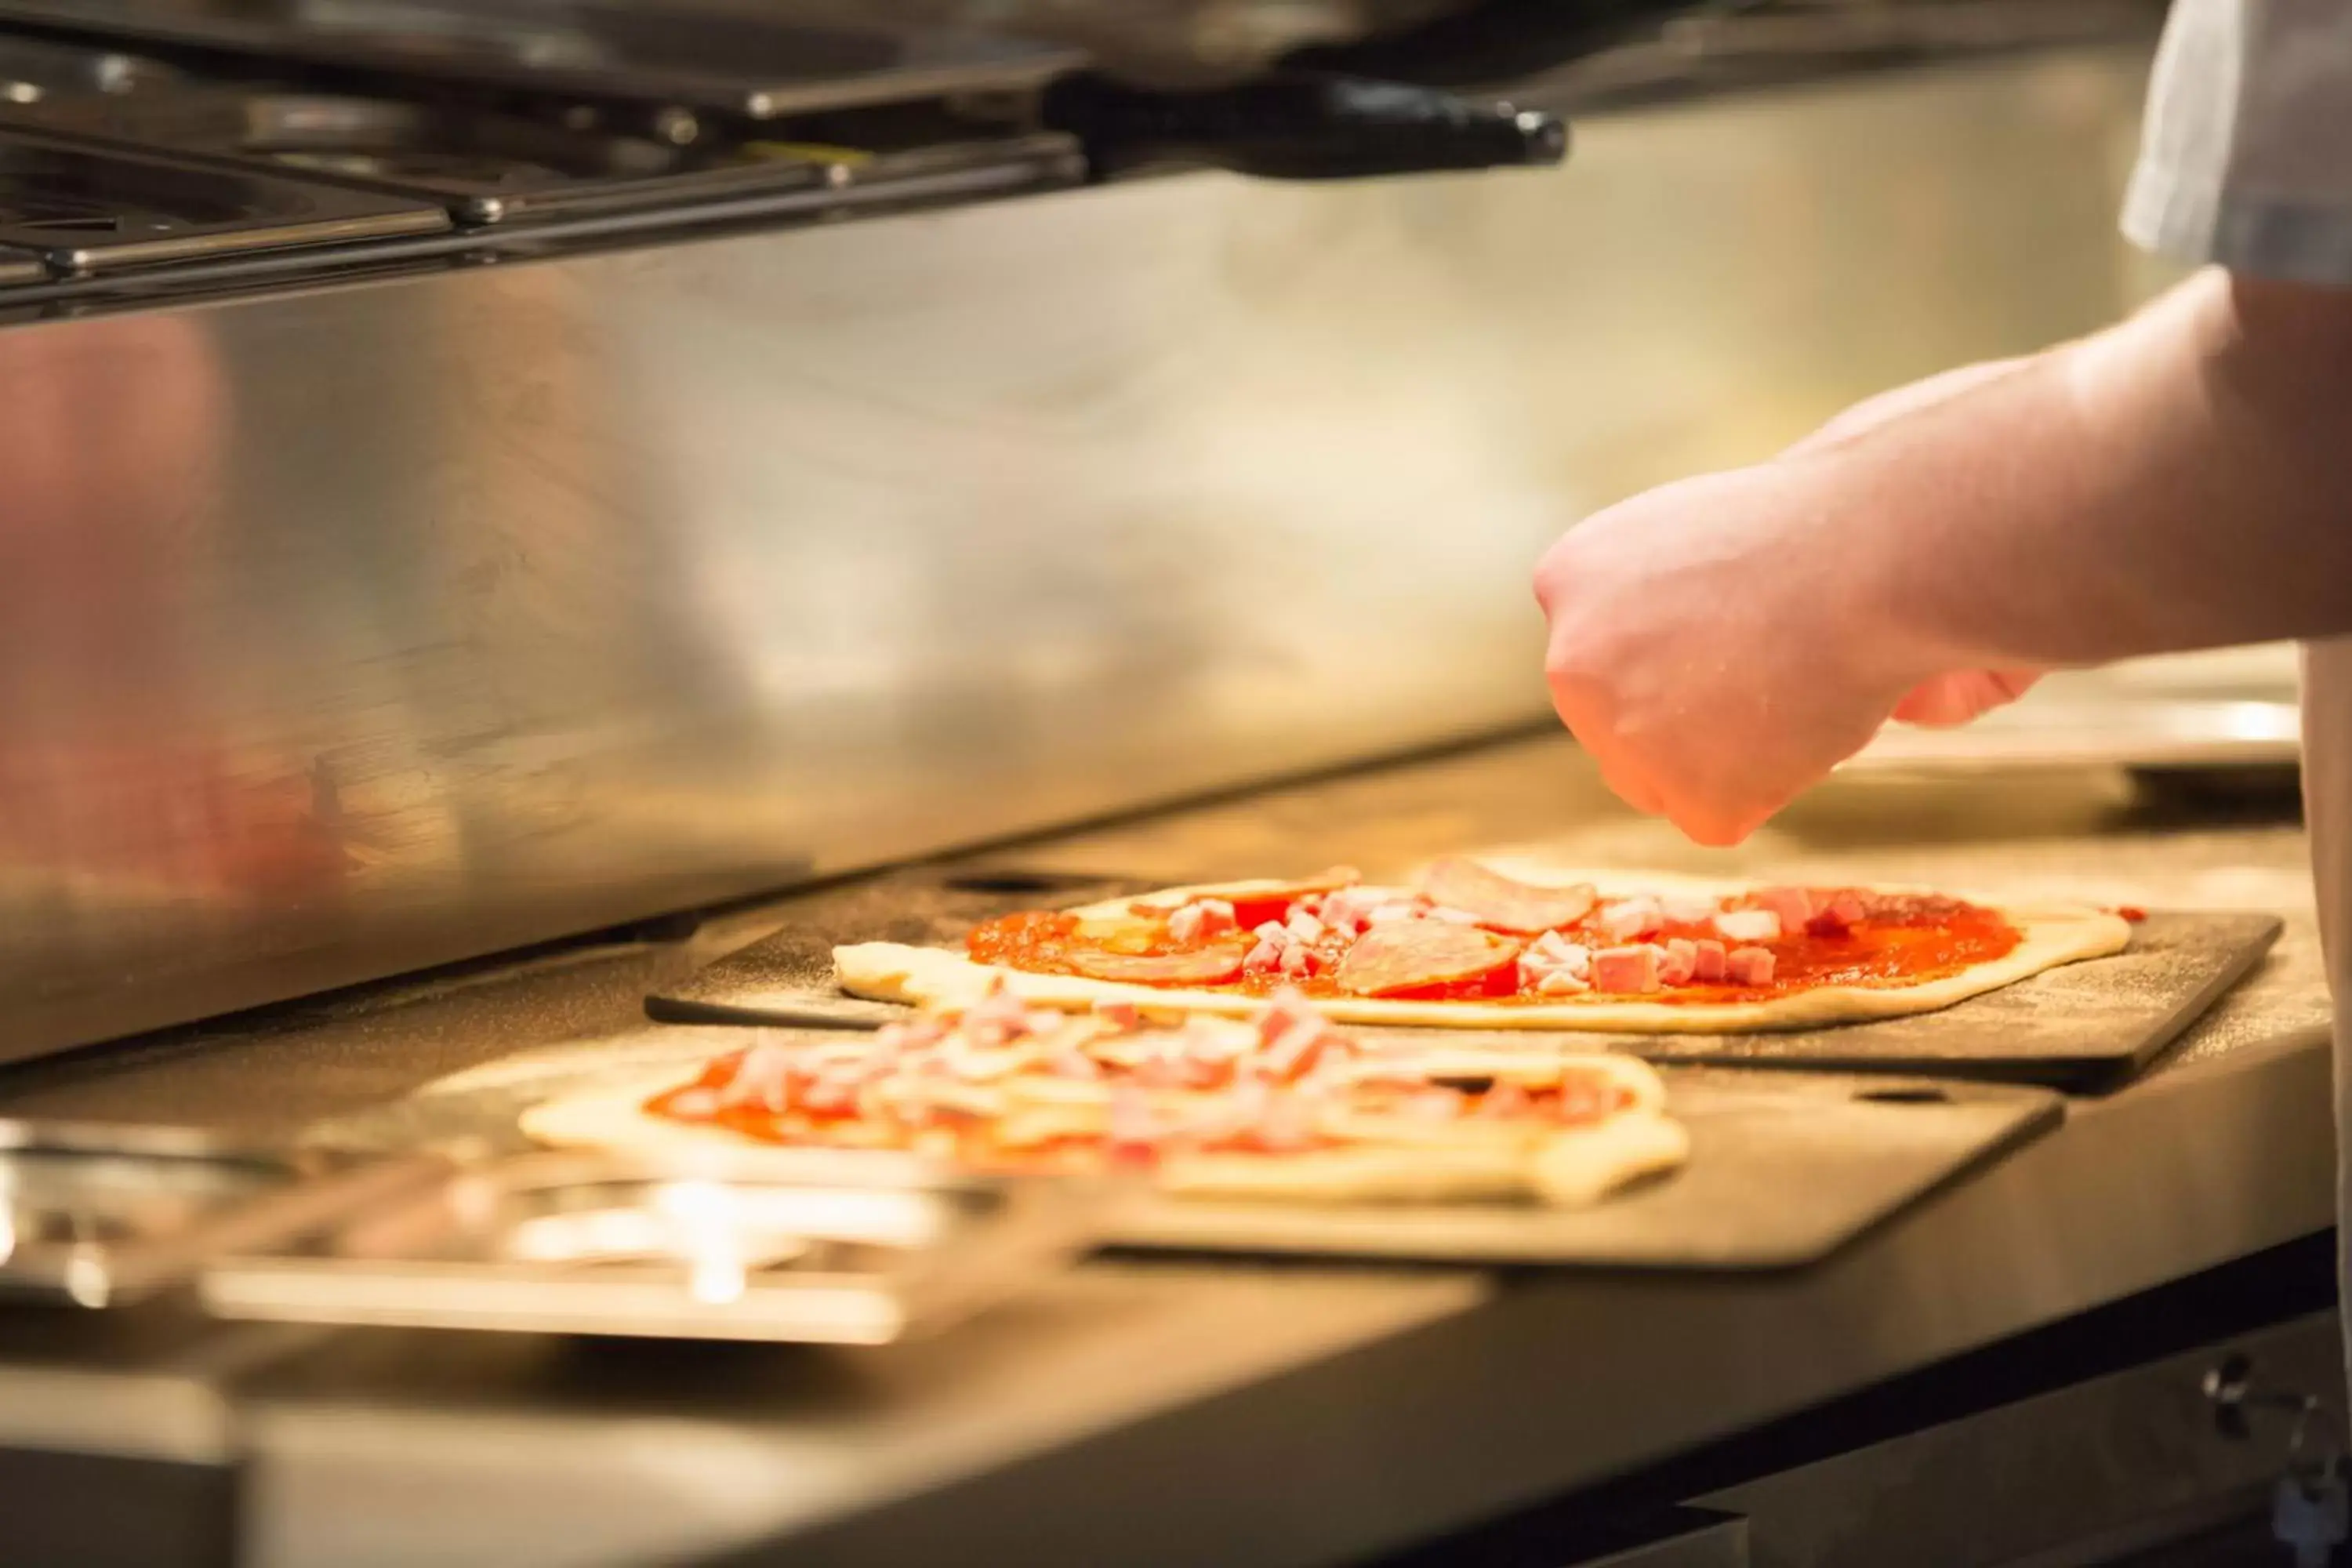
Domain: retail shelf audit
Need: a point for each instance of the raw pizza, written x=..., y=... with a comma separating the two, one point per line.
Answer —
x=1467, y=946
x=1285, y=1106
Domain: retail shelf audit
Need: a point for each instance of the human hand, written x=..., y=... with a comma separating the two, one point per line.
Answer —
x=1717, y=645
x=1721, y=643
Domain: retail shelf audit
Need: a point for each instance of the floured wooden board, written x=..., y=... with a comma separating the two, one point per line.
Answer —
x=2083, y=1026
x=1785, y=1168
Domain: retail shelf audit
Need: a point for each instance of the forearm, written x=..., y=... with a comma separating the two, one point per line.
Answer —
x=2183, y=481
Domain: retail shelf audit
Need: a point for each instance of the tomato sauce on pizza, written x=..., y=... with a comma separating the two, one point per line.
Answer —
x=1468, y=934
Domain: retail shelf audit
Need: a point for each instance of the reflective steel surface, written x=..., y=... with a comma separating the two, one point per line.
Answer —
x=1314, y=1416
x=344, y=632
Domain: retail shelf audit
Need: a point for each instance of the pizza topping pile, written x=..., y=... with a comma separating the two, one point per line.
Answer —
x=1003, y=1086
x=1469, y=934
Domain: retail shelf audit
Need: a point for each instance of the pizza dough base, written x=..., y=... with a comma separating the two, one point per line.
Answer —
x=2054, y=935
x=1565, y=1170
x=1572, y=1169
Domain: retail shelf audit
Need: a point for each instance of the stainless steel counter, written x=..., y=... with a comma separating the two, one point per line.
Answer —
x=1189, y=1413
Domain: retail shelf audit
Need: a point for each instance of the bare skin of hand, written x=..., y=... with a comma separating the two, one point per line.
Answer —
x=2178, y=481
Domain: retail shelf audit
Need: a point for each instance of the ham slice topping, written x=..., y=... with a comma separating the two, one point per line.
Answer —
x=1414, y=955
x=1216, y=964
x=1504, y=902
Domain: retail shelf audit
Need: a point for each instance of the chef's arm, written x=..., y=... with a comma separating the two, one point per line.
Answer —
x=2182, y=480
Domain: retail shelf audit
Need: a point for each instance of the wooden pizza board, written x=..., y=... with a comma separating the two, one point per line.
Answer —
x=1785, y=1169
x=2085, y=1026
x=2082, y=1026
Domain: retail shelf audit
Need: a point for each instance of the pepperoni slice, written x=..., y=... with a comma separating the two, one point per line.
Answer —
x=1411, y=955
x=1504, y=903
x=1216, y=964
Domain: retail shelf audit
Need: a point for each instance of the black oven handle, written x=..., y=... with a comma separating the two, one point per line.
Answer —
x=1300, y=126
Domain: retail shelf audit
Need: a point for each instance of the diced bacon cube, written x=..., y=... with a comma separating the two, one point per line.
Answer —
x=1793, y=906
x=1300, y=961
x=1506, y=1100
x=1076, y=1064
x=1349, y=910
x=1748, y=967
x=769, y=1076
x=1624, y=919
x=1162, y=1069
x=1748, y=926
x=1293, y=1054
x=1287, y=1125
x=1303, y=927
x=1434, y=1105
x=1202, y=1040
x=829, y=1097
x=1554, y=967
x=1687, y=909
x=1553, y=950
x=1626, y=971
x=1201, y=920
x=1265, y=958
x=1124, y=1016
x=990, y=1034
x=1271, y=931
x=1839, y=915
x=1679, y=966
x=1133, y=1134
x=1580, y=1100
x=1708, y=961
x=996, y=1019
x=1287, y=1008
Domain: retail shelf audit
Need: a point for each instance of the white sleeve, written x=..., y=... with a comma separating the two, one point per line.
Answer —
x=2246, y=157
